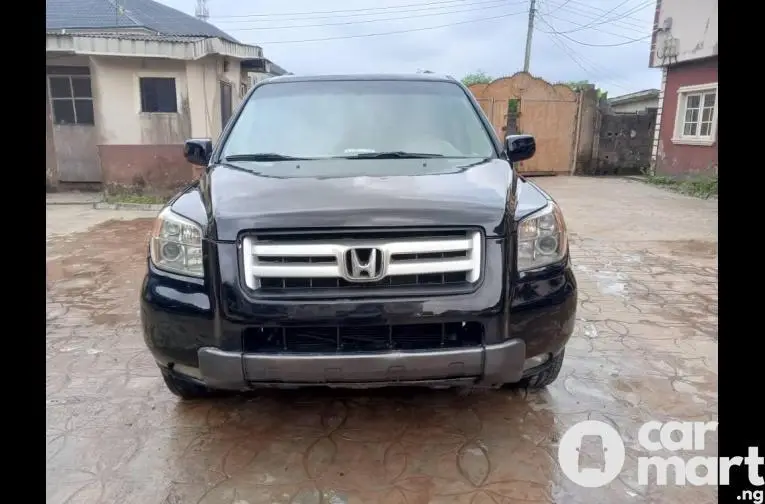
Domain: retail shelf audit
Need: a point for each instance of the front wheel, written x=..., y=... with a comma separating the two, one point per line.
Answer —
x=185, y=389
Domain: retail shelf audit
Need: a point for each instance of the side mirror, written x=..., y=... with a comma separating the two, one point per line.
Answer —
x=520, y=147
x=198, y=151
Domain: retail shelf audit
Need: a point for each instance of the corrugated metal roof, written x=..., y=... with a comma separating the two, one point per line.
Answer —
x=104, y=14
x=127, y=36
x=277, y=70
x=263, y=65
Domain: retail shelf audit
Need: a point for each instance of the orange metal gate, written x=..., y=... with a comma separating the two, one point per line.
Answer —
x=549, y=112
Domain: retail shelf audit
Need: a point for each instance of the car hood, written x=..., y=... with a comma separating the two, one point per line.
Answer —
x=334, y=193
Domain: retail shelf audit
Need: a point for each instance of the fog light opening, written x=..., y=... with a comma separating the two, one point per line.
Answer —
x=182, y=369
x=535, y=361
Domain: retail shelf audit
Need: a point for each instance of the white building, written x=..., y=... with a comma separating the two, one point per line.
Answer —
x=636, y=102
x=127, y=87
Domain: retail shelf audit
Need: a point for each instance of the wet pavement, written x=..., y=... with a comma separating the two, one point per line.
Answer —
x=645, y=348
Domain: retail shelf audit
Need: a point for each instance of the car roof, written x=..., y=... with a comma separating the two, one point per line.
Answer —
x=427, y=77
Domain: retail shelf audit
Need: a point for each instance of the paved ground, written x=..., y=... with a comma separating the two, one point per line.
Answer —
x=645, y=348
x=73, y=198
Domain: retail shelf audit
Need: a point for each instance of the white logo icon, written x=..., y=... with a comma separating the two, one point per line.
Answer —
x=571, y=454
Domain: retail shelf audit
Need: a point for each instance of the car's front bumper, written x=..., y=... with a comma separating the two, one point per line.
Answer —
x=198, y=330
x=488, y=364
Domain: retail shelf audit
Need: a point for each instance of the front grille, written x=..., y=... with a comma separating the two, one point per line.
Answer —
x=324, y=262
x=350, y=339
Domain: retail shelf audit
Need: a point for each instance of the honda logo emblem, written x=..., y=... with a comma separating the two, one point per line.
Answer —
x=364, y=264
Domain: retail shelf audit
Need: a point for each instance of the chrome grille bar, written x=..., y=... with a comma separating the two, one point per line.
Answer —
x=308, y=258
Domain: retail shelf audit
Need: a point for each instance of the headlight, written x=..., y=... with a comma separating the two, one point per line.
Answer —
x=176, y=245
x=542, y=238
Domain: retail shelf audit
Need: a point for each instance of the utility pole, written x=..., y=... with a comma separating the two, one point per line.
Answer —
x=529, y=32
x=202, y=12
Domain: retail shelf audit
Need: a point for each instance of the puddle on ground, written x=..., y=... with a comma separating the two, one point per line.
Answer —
x=641, y=351
x=89, y=270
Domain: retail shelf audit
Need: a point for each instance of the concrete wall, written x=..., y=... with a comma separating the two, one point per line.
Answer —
x=144, y=150
x=255, y=77
x=624, y=144
x=674, y=157
x=588, y=125
x=118, y=102
x=686, y=31
x=51, y=166
x=204, y=78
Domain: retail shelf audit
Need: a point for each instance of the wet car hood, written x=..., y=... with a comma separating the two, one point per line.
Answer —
x=334, y=193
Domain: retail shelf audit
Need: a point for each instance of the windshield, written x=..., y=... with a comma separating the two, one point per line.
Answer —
x=358, y=118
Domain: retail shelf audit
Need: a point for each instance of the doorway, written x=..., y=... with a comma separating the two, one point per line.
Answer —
x=226, y=105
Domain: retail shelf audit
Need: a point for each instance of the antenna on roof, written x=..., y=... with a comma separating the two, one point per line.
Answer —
x=202, y=11
x=118, y=11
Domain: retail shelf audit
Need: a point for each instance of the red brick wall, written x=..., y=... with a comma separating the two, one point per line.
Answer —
x=684, y=159
x=149, y=167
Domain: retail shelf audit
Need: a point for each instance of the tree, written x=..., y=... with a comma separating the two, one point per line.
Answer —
x=478, y=77
x=577, y=86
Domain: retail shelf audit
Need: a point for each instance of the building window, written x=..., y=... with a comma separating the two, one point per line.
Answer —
x=158, y=94
x=696, y=122
x=71, y=99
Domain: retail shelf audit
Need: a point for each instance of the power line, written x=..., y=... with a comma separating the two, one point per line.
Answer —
x=589, y=28
x=584, y=27
x=395, y=32
x=363, y=21
x=563, y=34
x=624, y=21
x=565, y=2
x=344, y=10
x=630, y=28
x=607, y=21
x=581, y=58
x=630, y=41
x=426, y=9
x=578, y=59
x=578, y=6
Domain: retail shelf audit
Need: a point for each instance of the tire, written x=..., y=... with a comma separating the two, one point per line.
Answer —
x=544, y=377
x=185, y=389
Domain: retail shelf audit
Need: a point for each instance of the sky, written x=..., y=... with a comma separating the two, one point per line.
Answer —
x=605, y=42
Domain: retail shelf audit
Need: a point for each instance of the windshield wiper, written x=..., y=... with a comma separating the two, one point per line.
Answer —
x=391, y=155
x=262, y=156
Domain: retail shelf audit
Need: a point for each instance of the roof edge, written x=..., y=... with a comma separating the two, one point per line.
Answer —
x=148, y=46
x=636, y=96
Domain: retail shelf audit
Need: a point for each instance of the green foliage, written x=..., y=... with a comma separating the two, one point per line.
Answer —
x=478, y=77
x=144, y=199
x=700, y=186
x=577, y=85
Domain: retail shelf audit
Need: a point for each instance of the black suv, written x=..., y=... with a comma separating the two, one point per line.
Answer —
x=358, y=231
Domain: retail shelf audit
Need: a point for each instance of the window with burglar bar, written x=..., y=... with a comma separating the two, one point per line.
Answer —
x=696, y=115
x=71, y=98
x=158, y=95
